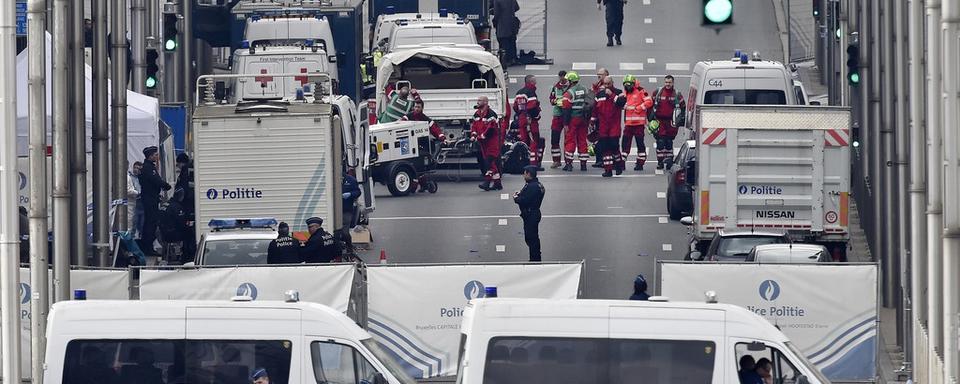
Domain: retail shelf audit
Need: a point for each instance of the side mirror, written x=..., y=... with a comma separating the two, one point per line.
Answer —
x=802, y=379
x=814, y=103
x=693, y=255
x=687, y=220
x=379, y=379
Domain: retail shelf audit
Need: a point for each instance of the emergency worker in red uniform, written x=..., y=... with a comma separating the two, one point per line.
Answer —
x=417, y=115
x=635, y=119
x=486, y=130
x=606, y=115
x=526, y=110
x=556, y=125
x=666, y=102
x=574, y=116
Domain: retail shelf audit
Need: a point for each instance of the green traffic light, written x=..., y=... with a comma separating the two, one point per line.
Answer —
x=854, y=78
x=718, y=11
x=151, y=82
x=170, y=45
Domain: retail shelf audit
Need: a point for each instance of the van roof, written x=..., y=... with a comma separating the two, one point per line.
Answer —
x=501, y=316
x=112, y=319
x=730, y=64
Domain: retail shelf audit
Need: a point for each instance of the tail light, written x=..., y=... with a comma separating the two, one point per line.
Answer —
x=680, y=177
x=372, y=111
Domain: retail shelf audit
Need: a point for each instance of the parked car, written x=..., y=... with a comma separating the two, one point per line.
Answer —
x=789, y=253
x=681, y=179
x=735, y=245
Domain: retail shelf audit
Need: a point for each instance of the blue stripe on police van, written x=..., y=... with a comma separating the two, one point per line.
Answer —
x=410, y=368
x=840, y=337
x=413, y=345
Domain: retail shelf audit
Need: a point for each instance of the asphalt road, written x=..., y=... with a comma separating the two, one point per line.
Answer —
x=617, y=226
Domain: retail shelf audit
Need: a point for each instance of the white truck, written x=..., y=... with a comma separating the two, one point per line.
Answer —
x=784, y=168
x=280, y=159
x=410, y=30
x=449, y=81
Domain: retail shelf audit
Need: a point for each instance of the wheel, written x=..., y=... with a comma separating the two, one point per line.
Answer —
x=674, y=213
x=401, y=181
x=432, y=186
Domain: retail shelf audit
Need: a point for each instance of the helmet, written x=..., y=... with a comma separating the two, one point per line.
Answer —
x=653, y=126
x=629, y=79
x=573, y=76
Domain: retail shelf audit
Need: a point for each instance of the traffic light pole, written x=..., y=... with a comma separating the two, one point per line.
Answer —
x=118, y=124
x=101, y=129
x=138, y=28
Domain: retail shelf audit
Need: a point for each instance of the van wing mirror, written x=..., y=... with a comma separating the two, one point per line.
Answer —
x=687, y=220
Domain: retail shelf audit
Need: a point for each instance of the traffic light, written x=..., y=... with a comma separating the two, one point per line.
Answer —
x=853, y=64
x=170, y=32
x=816, y=9
x=152, y=68
x=717, y=12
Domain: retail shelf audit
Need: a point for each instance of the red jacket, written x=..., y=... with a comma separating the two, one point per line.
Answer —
x=638, y=101
x=664, y=103
x=434, y=128
x=607, y=112
x=486, y=129
x=525, y=105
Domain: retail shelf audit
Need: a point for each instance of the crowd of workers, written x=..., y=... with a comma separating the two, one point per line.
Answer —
x=149, y=215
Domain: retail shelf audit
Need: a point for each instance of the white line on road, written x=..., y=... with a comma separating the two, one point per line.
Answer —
x=502, y=222
x=575, y=176
x=661, y=195
x=537, y=67
x=663, y=220
x=612, y=216
x=648, y=20
x=614, y=207
x=648, y=40
x=631, y=66
x=584, y=66
x=513, y=80
x=504, y=196
x=658, y=171
x=678, y=66
x=646, y=2
x=667, y=247
x=652, y=80
x=651, y=60
x=501, y=248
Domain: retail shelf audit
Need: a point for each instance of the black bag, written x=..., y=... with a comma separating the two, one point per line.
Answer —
x=517, y=157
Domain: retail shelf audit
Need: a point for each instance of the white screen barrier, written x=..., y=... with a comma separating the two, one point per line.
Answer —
x=415, y=311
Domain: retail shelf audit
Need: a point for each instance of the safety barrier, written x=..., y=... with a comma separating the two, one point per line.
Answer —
x=828, y=310
x=533, y=27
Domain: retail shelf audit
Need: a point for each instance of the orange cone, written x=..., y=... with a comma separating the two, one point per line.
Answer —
x=383, y=256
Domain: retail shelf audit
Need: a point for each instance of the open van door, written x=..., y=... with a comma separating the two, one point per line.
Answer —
x=364, y=176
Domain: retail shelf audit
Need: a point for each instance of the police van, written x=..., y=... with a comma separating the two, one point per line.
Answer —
x=606, y=341
x=180, y=341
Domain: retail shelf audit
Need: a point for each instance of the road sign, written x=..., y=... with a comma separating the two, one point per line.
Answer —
x=21, y=18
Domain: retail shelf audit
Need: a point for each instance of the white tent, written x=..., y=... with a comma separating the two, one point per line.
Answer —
x=143, y=112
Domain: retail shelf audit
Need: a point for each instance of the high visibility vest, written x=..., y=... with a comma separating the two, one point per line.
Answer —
x=578, y=100
x=557, y=94
x=640, y=101
x=396, y=109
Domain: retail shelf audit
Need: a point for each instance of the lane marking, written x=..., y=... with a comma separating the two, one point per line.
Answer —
x=661, y=195
x=658, y=171
x=584, y=66
x=513, y=80
x=648, y=20
x=667, y=247
x=611, y=216
x=651, y=61
x=537, y=67
x=646, y=2
x=648, y=40
x=504, y=196
x=683, y=67
x=631, y=66
x=502, y=222
x=578, y=176
x=663, y=220
x=614, y=207
x=501, y=248
x=652, y=80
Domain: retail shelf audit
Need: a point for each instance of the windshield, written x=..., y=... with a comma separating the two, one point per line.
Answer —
x=425, y=74
x=740, y=246
x=435, y=34
x=807, y=364
x=236, y=252
x=746, y=96
x=388, y=361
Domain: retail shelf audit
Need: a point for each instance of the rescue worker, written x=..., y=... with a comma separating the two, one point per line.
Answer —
x=556, y=125
x=614, y=18
x=529, y=199
x=151, y=184
x=485, y=130
x=321, y=247
x=400, y=104
x=635, y=119
x=606, y=116
x=592, y=135
x=527, y=113
x=435, y=130
x=284, y=249
x=575, y=140
x=666, y=102
x=351, y=192
x=640, y=289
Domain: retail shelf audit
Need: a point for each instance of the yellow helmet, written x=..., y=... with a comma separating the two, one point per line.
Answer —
x=629, y=79
x=572, y=76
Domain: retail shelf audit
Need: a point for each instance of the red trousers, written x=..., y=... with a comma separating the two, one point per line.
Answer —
x=531, y=138
x=575, y=140
x=630, y=133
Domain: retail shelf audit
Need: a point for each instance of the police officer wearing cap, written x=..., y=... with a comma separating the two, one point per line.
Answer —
x=529, y=199
x=150, y=184
x=284, y=249
x=321, y=247
x=260, y=376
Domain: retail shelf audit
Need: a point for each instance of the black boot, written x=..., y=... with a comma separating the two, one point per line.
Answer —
x=609, y=41
x=618, y=40
x=583, y=166
x=485, y=185
x=568, y=167
x=638, y=167
x=607, y=174
x=496, y=186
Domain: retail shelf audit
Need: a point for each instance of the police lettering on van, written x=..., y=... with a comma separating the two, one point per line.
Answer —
x=234, y=194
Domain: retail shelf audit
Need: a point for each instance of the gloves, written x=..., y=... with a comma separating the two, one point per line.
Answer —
x=346, y=195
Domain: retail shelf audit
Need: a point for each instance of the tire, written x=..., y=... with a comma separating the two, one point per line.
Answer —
x=401, y=179
x=675, y=214
x=432, y=186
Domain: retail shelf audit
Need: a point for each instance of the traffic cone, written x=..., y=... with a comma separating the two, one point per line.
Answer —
x=383, y=256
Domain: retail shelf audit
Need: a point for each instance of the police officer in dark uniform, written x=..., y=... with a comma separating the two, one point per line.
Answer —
x=321, y=247
x=151, y=184
x=529, y=198
x=284, y=249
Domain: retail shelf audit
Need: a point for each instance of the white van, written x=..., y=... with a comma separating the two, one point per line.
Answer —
x=535, y=341
x=306, y=57
x=181, y=341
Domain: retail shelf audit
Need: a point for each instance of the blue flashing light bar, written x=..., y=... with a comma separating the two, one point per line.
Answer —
x=261, y=222
x=443, y=12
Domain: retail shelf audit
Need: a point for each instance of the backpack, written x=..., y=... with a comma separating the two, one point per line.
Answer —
x=679, y=115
